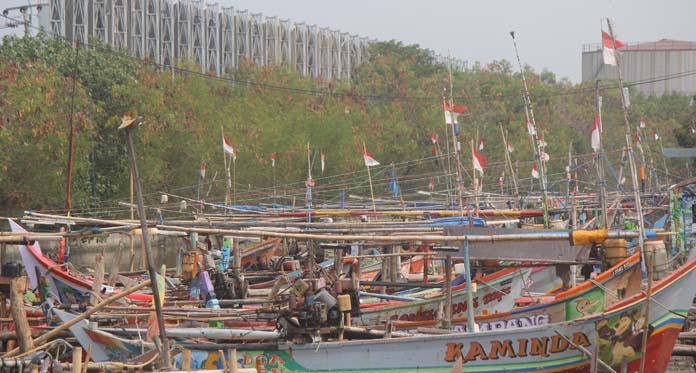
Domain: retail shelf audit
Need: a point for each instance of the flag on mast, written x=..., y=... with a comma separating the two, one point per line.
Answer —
x=608, y=49
x=655, y=135
x=639, y=143
x=594, y=136
x=323, y=162
x=273, y=158
x=452, y=113
x=227, y=147
x=433, y=138
x=692, y=129
x=501, y=182
x=481, y=145
x=431, y=184
x=510, y=147
x=535, y=171
x=367, y=157
x=642, y=122
x=480, y=161
x=530, y=126
x=202, y=169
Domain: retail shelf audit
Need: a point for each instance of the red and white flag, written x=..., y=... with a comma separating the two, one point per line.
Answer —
x=642, y=122
x=433, y=138
x=202, y=169
x=655, y=135
x=227, y=147
x=692, y=129
x=273, y=158
x=530, y=126
x=639, y=143
x=323, y=162
x=501, y=182
x=608, y=49
x=367, y=157
x=481, y=145
x=451, y=115
x=544, y=157
x=480, y=161
x=431, y=184
x=535, y=171
x=594, y=136
x=510, y=148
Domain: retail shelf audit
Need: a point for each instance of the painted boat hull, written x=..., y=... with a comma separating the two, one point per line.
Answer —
x=536, y=349
x=496, y=294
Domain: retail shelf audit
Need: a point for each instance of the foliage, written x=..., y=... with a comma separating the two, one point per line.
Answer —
x=392, y=104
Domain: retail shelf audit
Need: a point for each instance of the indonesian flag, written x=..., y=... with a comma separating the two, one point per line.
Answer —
x=510, y=148
x=227, y=147
x=431, y=184
x=530, y=126
x=273, y=158
x=433, y=138
x=367, y=157
x=642, y=122
x=323, y=162
x=501, y=182
x=202, y=169
x=638, y=141
x=692, y=129
x=480, y=161
x=535, y=171
x=481, y=145
x=544, y=157
x=608, y=46
x=594, y=136
x=452, y=114
x=655, y=135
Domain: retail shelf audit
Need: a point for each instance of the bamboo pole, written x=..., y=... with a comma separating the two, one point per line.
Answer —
x=19, y=317
x=54, y=332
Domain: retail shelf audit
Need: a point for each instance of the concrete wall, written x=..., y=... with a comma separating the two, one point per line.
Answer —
x=643, y=65
x=82, y=253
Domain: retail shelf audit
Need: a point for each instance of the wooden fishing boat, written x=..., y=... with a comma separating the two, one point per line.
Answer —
x=590, y=297
x=68, y=287
x=495, y=293
x=614, y=338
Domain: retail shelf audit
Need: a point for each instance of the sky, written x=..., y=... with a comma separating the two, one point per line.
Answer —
x=550, y=33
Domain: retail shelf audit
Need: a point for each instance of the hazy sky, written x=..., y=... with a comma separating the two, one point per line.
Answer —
x=550, y=33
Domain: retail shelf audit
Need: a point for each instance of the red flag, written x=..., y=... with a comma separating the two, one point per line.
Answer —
x=530, y=126
x=535, y=171
x=608, y=49
x=480, y=161
x=367, y=157
x=202, y=169
x=227, y=147
x=433, y=138
x=323, y=162
x=434, y=149
x=510, y=148
x=594, y=135
x=273, y=158
x=451, y=115
x=655, y=135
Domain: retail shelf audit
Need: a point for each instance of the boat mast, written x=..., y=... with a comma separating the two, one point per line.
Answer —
x=535, y=136
x=636, y=196
x=457, y=164
x=600, y=162
x=508, y=160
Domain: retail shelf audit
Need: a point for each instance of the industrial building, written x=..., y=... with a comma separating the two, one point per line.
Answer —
x=662, y=67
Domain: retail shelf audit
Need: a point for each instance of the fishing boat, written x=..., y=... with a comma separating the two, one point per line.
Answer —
x=612, y=338
x=67, y=286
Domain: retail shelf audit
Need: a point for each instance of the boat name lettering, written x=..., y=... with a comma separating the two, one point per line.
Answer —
x=273, y=363
x=496, y=295
x=621, y=269
x=495, y=349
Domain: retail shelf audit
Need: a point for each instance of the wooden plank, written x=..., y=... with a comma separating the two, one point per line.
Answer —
x=19, y=317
